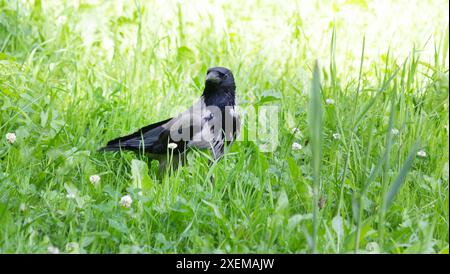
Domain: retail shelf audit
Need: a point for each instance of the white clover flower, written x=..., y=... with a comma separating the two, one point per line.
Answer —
x=297, y=132
x=172, y=145
x=296, y=146
x=95, y=179
x=126, y=201
x=395, y=131
x=10, y=137
x=421, y=153
x=329, y=101
x=373, y=248
x=53, y=250
x=73, y=247
x=70, y=195
x=336, y=136
x=22, y=207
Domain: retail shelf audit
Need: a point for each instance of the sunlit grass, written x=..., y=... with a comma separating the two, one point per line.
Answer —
x=368, y=171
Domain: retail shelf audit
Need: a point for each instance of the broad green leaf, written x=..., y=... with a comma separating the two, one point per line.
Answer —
x=296, y=219
x=139, y=173
x=283, y=202
x=269, y=96
x=118, y=226
x=185, y=53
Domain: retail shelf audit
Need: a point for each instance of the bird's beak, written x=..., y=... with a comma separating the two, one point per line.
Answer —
x=213, y=77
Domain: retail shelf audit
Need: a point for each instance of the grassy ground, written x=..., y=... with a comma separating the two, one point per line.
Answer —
x=371, y=175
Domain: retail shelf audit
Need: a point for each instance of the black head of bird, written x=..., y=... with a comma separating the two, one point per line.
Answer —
x=219, y=87
x=219, y=77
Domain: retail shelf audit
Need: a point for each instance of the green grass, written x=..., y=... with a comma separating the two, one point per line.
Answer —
x=73, y=76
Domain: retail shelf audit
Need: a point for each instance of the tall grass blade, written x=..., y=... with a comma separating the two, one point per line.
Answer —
x=398, y=182
x=315, y=127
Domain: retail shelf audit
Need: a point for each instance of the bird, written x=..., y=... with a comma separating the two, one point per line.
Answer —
x=210, y=123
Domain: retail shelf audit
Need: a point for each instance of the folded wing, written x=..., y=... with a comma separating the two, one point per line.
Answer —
x=147, y=138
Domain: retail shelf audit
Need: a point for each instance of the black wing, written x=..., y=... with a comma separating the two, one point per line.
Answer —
x=148, y=139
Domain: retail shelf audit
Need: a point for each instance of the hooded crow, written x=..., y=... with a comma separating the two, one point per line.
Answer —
x=209, y=123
